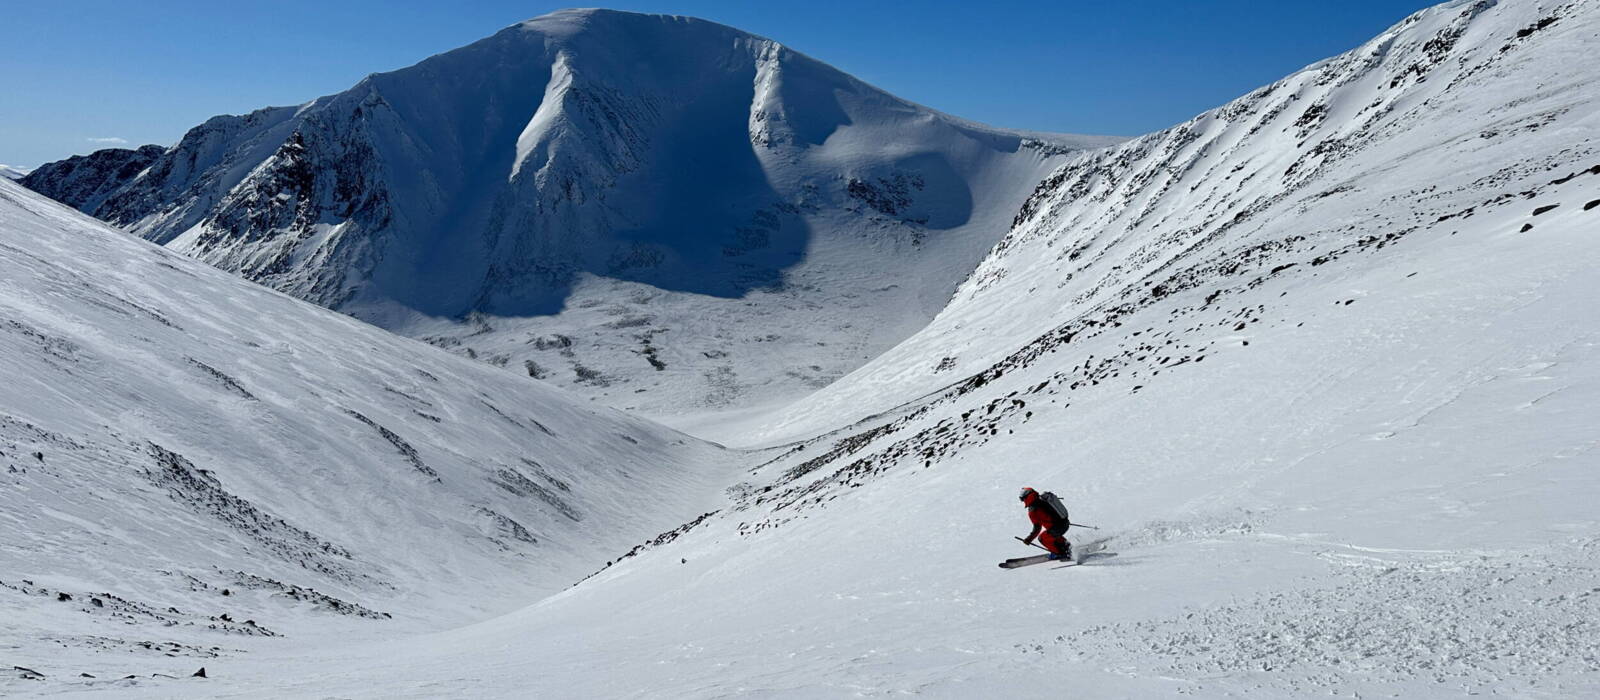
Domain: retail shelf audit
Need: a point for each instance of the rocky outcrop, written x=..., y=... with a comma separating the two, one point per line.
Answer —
x=84, y=182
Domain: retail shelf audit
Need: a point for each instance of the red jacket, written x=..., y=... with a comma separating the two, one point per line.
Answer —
x=1041, y=517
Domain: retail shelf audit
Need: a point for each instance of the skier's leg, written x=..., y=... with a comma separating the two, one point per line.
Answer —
x=1056, y=544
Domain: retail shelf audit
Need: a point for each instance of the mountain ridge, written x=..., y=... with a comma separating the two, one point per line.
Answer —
x=1127, y=226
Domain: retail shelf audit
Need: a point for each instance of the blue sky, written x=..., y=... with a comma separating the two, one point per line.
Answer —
x=77, y=75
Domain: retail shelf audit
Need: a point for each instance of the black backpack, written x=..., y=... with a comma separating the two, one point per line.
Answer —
x=1052, y=504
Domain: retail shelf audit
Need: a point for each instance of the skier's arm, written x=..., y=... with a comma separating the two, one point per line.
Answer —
x=1033, y=534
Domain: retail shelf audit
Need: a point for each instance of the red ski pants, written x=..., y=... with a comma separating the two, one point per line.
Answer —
x=1053, y=541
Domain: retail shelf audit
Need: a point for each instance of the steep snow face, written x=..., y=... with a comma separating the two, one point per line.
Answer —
x=575, y=196
x=12, y=172
x=1332, y=406
x=194, y=461
x=1444, y=117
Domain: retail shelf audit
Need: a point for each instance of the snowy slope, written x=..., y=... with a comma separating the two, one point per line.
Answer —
x=1441, y=118
x=191, y=461
x=1347, y=449
x=11, y=172
x=1329, y=460
x=663, y=212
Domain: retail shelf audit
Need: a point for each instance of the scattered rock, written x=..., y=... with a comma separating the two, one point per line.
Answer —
x=534, y=370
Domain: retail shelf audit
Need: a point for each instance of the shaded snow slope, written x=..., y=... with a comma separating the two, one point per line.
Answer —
x=192, y=464
x=11, y=172
x=1347, y=448
x=664, y=212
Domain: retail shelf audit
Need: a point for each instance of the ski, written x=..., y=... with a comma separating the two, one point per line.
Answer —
x=1094, y=549
x=1027, y=561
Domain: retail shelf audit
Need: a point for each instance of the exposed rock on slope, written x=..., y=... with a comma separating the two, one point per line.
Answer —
x=84, y=182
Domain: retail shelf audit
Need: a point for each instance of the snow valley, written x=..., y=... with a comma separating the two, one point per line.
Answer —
x=1320, y=365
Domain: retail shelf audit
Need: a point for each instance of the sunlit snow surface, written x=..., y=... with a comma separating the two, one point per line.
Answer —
x=1328, y=395
x=169, y=432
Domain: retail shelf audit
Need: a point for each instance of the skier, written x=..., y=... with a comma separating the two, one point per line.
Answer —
x=1044, y=517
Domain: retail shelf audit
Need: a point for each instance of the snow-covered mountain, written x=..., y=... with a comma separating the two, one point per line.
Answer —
x=1320, y=365
x=11, y=172
x=662, y=211
x=1383, y=148
x=189, y=461
x=1332, y=404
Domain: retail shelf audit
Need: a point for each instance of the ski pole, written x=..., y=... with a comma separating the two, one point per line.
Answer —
x=1091, y=527
x=1036, y=544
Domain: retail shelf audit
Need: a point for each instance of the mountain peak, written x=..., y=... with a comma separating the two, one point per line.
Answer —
x=683, y=161
x=585, y=19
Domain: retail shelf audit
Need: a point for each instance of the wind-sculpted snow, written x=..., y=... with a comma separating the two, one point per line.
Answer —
x=594, y=168
x=188, y=458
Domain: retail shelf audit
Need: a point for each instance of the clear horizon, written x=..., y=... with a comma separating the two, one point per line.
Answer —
x=86, y=75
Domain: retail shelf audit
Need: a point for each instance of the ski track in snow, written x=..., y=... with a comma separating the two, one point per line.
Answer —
x=1453, y=623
